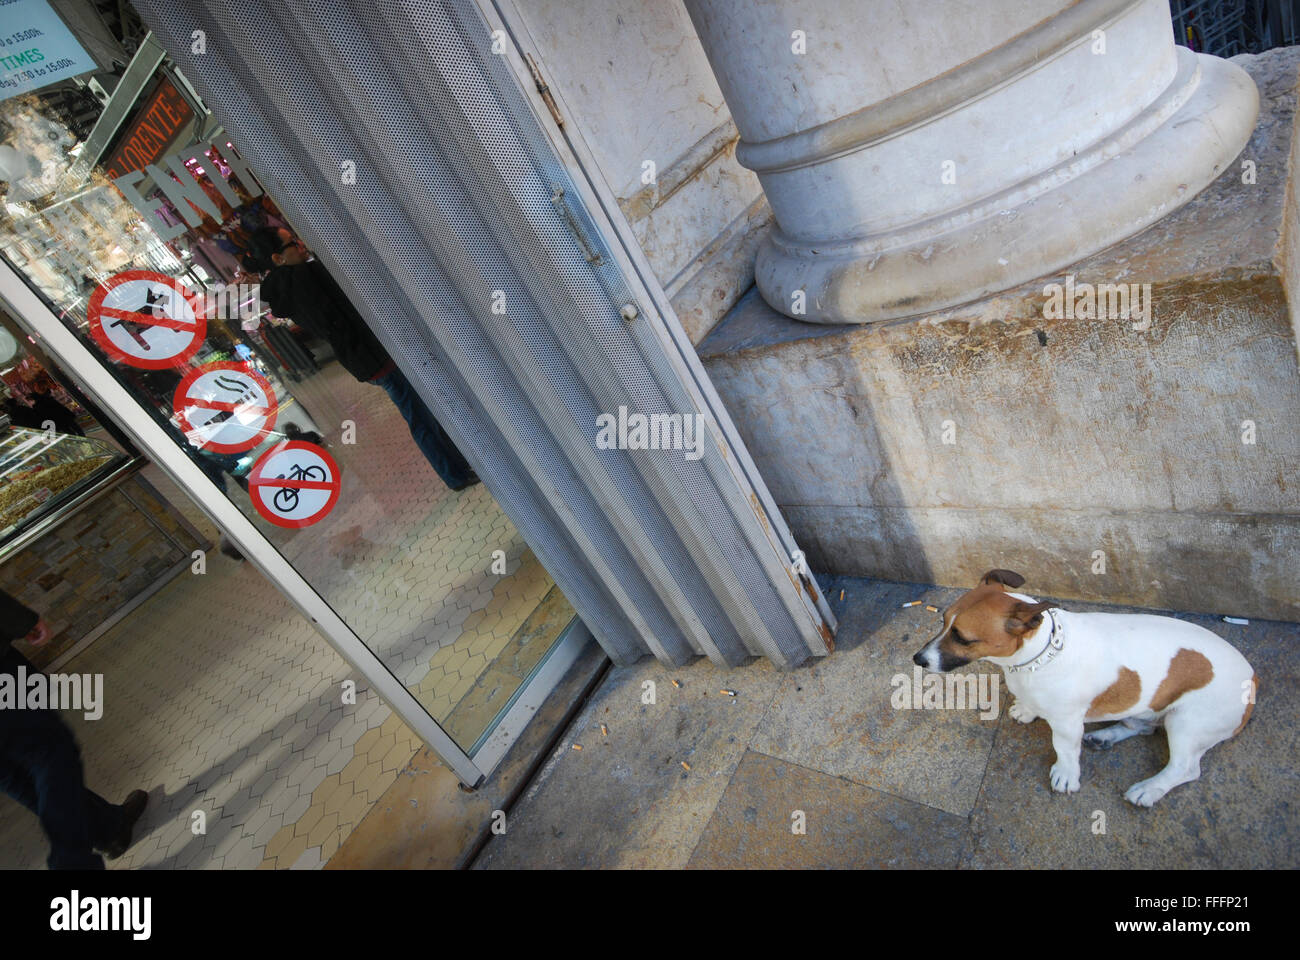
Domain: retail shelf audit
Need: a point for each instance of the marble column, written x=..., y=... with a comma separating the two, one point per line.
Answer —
x=920, y=156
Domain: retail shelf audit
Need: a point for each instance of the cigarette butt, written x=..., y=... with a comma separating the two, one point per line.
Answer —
x=676, y=684
x=841, y=594
x=931, y=608
x=729, y=693
x=912, y=603
x=604, y=730
x=1241, y=620
x=685, y=765
x=577, y=746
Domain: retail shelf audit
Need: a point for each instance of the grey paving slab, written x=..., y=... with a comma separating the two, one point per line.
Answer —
x=886, y=787
x=777, y=815
x=625, y=800
x=1243, y=813
x=836, y=715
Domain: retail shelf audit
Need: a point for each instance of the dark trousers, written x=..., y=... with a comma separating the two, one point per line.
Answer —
x=40, y=767
x=429, y=436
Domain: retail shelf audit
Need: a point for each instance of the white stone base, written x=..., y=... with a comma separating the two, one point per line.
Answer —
x=1146, y=169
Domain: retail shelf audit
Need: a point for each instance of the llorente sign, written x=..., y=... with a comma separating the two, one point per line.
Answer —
x=156, y=125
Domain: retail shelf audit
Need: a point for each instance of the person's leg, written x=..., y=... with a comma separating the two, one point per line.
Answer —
x=109, y=826
x=47, y=753
x=19, y=754
x=105, y=821
x=428, y=434
x=14, y=778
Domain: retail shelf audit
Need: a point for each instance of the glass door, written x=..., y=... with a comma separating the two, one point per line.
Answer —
x=141, y=251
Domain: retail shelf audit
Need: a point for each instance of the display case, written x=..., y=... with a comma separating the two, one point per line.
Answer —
x=42, y=473
x=84, y=538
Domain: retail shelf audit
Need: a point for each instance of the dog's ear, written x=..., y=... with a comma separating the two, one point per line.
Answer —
x=1007, y=578
x=1025, y=616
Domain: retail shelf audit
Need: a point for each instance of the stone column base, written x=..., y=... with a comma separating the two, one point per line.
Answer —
x=1119, y=186
x=1149, y=459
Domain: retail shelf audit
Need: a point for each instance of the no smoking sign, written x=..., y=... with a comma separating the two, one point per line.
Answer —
x=225, y=407
x=294, y=484
x=146, y=319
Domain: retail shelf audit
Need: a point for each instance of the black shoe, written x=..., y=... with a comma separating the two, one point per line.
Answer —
x=132, y=807
x=473, y=479
x=229, y=549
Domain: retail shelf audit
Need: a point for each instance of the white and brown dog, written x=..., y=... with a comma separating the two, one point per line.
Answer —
x=1077, y=668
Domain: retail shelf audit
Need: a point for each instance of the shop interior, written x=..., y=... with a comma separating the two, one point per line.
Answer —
x=219, y=694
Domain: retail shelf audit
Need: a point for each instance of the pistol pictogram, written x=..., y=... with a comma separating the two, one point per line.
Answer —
x=151, y=309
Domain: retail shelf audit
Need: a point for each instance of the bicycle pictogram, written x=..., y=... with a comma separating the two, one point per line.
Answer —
x=294, y=484
x=286, y=498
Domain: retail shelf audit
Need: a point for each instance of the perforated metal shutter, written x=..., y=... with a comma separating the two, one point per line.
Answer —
x=452, y=200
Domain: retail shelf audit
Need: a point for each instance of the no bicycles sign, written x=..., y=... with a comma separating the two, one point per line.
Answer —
x=294, y=484
x=147, y=319
x=225, y=407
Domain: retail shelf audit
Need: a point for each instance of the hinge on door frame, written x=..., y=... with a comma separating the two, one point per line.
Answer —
x=544, y=90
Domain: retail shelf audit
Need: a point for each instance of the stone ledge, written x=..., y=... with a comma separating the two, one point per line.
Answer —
x=1069, y=435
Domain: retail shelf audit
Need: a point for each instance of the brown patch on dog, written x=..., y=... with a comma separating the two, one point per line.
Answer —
x=1250, y=706
x=993, y=623
x=1188, y=671
x=1118, y=697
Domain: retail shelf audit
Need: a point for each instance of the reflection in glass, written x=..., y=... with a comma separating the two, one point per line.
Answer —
x=415, y=555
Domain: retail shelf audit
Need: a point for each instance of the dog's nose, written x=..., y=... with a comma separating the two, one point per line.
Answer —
x=918, y=659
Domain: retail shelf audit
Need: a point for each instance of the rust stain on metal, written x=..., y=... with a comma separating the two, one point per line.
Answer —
x=811, y=586
x=544, y=90
x=762, y=514
x=686, y=169
x=829, y=637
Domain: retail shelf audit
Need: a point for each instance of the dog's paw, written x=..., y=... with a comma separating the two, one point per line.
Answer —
x=1097, y=741
x=1064, y=779
x=1145, y=793
x=1022, y=713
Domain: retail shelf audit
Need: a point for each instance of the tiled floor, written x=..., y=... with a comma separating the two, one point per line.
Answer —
x=410, y=564
x=221, y=698
x=232, y=709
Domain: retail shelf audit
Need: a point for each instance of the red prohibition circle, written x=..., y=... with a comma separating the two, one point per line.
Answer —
x=94, y=313
x=180, y=404
x=256, y=481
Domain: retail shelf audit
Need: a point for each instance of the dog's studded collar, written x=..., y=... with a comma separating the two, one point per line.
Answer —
x=1055, y=643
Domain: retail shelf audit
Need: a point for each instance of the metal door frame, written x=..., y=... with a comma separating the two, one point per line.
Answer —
x=776, y=556
x=660, y=554
x=33, y=312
